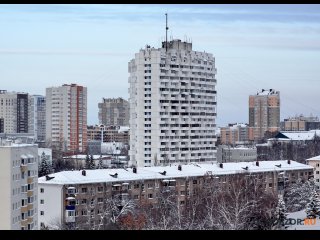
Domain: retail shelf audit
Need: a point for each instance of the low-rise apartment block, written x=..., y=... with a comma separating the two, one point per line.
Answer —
x=18, y=184
x=315, y=163
x=74, y=197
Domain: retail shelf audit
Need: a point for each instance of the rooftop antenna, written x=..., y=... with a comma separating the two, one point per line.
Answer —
x=167, y=32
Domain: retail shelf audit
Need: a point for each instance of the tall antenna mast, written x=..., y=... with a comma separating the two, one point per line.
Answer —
x=167, y=32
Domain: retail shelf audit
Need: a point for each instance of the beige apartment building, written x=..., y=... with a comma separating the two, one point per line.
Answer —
x=109, y=134
x=66, y=117
x=75, y=197
x=233, y=134
x=264, y=113
x=18, y=184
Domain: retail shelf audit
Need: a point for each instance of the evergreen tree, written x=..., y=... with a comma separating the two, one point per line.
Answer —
x=87, y=164
x=298, y=195
x=44, y=168
x=91, y=163
x=100, y=164
x=313, y=207
x=280, y=214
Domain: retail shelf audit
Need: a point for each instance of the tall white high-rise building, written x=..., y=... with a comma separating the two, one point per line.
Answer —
x=66, y=117
x=19, y=186
x=14, y=110
x=37, y=120
x=172, y=105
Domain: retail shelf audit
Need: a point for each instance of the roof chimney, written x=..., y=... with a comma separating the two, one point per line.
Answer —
x=163, y=173
x=179, y=168
x=114, y=175
x=289, y=161
x=221, y=165
x=134, y=170
x=257, y=163
x=83, y=172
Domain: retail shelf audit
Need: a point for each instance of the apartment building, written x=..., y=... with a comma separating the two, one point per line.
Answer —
x=236, y=154
x=114, y=112
x=237, y=133
x=74, y=197
x=37, y=120
x=66, y=117
x=300, y=123
x=264, y=113
x=14, y=110
x=315, y=163
x=109, y=134
x=172, y=105
x=19, y=186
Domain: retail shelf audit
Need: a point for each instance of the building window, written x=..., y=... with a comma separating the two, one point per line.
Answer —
x=318, y=164
x=41, y=201
x=83, y=190
x=100, y=200
x=195, y=182
x=317, y=172
x=317, y=180
x=83, y=201
x=136, y=197
x=135, y=186
x=150, y=196
x=41, y=213
x=270, y=185
x=41, y=190
x=100, y=189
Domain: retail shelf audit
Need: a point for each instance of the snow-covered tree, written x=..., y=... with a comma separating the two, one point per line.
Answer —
x=298, y=195
x=100, y=164
x=280, y=214
x=313, y=207
x=91, y=163
x=115, y=209
x=45, y=167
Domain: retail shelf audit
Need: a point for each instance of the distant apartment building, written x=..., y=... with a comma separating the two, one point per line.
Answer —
x=66, y=117
x=114, y=112
x=19, y=181
x=315, y=163
x=300, y=123
x=110, y=133
x=77, y=197
x=172, y=105
x=37, y=120
x=237, y=133
x=264, y=113
x=236, y=154
x=14, y=111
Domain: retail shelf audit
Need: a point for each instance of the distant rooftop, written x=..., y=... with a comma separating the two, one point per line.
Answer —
x=267, y=92
x=190, y=170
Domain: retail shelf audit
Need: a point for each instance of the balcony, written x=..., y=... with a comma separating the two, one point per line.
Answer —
x=70, y=216
x=71, y=207
x=23, y=167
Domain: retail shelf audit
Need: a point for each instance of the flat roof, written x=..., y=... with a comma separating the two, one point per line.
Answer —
x=190, y=170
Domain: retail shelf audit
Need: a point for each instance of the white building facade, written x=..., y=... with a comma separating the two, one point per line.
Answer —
x=18, y=183
x=14, y=110
x=315, y=163
x=66, y=117
x=172, y=105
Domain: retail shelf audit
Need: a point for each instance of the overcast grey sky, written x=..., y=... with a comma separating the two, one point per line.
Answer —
x=255, y=46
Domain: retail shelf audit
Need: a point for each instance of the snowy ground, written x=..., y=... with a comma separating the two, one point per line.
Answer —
x=302, y=215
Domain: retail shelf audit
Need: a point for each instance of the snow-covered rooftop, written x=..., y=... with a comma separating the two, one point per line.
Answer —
x=301, y=135
x=316, y=158
x=83, y=156
x=190, y=170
